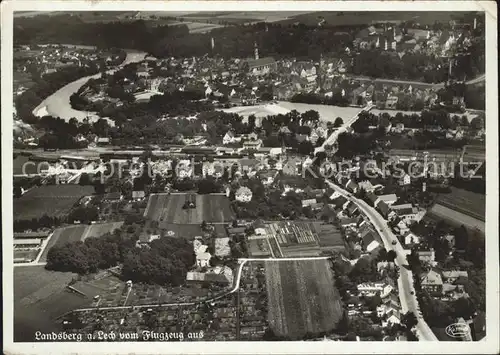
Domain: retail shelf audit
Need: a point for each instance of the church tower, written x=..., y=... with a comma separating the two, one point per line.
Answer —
x=256, y=51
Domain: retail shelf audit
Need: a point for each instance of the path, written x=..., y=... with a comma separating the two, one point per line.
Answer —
x=235, y=288
x=476, y=80
x=333, y=137
x=405, y=282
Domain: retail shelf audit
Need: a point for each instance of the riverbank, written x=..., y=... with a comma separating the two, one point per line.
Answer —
x=58, y=104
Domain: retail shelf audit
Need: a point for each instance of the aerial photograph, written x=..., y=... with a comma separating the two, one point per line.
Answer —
x=249, y=176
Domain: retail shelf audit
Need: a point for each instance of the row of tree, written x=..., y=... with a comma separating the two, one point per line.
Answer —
x=165, y=261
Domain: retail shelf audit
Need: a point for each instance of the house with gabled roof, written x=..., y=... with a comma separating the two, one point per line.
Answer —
x=432, y=282
x=370, y=242
x=351, y=186
x=351, y=209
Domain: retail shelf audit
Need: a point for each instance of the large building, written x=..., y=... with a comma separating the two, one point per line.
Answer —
x=260, y=66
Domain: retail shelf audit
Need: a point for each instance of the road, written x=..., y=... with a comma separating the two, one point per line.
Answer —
x=332, y=138
x=405, y=282
x=476, y=80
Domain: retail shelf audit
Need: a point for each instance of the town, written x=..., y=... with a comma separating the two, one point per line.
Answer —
x=205, y=191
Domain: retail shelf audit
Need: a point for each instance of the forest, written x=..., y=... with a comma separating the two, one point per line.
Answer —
x=166, y=260
x=162, y=41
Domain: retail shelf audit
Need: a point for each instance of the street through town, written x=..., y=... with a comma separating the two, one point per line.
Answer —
x=405, y=282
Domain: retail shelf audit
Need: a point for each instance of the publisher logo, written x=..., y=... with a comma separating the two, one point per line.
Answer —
x=457, y=330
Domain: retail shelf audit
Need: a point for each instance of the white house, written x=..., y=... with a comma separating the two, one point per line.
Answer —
x=309, y=202
x=405, y=180
x=202, y=256
x=403, y=227
x=388, y=199
x=370, y=289
x=411, y=239
x=229, y=138
x=393, y=317
x=252, y=144
x=366, y=185
x=243, y=194
x=260, y=231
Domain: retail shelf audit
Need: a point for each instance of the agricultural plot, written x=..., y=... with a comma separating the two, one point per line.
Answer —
x=22, y=165
x=144, y=294
x=302, y=297
x=349, y=18
x=62, y=236
x=293, y=239
x=40, y=296
x=467, y=202
x=258, y=248
x=456, y=218
x=170, y=209
x=26, y=255
x=52, y=200
x=329, y=237
x=100, y=229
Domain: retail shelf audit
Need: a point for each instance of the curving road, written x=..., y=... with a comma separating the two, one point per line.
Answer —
x=405, y=282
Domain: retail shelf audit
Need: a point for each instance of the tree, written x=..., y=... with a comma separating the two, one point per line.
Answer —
x=84, y=180
x=17, y=191
x=338, y=122
x=463, y=307
x=461, y=237
x=409, y=320
x=477, y=123
x=364, y=270
x=305, y=148
x=391, y=255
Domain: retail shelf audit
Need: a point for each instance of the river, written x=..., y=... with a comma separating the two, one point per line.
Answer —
x=58, y=104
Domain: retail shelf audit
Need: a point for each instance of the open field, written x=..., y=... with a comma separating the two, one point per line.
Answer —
x=39, y=297
x=326, y=112
x=62, y=236
x=169, y=209
x=329, y=237
x=467, y=202
x=52, y=200
x=454, y=217
x=23, y=165
x=350, y=18
x=76, y=233
x=99, y=229
x=302, y=297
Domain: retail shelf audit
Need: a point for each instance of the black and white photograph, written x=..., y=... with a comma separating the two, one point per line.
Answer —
x=249, y=174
